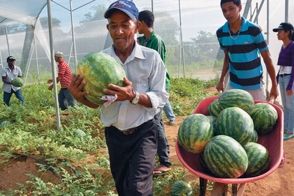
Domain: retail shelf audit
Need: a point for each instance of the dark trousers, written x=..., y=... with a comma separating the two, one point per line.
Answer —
x=7, y=96
x=132, y=158
x=65, y=99
x=162, y=147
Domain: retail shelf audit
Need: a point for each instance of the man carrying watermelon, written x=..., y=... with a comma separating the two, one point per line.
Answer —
x=243, y=44
x=11, y=83
x=132, y=120
x=154, y=41
x=65, y=98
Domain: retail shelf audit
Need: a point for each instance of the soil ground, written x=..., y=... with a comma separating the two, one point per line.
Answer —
x=278, y=183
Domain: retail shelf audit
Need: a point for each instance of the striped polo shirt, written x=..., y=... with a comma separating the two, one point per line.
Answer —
x=244, y=50
x=64, y=74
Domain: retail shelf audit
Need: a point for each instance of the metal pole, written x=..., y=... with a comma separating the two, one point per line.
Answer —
x=152, y=6
x=7, y=41
x=181, y=41
x=58, y=122
x=73, y=36
x=37, y=60
x=286, y=10
x=267, y=39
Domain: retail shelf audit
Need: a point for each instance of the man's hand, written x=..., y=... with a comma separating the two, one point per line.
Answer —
x=76, y=88
x=123, y=93
x=220, y=86
x=50, y=87
x=290, y=92
x=273, y=94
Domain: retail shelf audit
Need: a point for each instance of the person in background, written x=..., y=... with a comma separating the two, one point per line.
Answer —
x=153, y=41
x=8, y=74
x=285, y=76
x=65, y=98
x=243, y=44
x=132, y=121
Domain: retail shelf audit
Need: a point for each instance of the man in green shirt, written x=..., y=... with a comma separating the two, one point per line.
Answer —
x=153, y=41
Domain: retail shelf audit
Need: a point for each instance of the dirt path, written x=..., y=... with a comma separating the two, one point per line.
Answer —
x=278, y=183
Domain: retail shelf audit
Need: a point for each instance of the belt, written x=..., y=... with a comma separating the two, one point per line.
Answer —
x=128, y=131
x=282, y=75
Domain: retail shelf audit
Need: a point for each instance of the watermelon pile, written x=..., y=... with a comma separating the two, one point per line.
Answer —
x=99, y=70
x=236, y=122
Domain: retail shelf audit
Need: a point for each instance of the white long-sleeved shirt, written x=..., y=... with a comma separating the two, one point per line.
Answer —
x=11, y=74
x=145, y=69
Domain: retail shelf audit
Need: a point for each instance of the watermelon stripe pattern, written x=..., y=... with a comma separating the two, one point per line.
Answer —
x=236, y=98
x=215, y=108
x=264, y=117
x=236, y=123
x=258, y=159
x=99, y=70
x=225, y=157
x=194, y=133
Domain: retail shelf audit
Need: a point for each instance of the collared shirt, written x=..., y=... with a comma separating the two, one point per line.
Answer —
x=11, y=74
x=64, y=74
x=145, y=69
x=286, y=63
x=156, y=43
x=244, y=50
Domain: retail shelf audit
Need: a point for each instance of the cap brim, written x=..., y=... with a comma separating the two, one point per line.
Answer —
x=277, y=29
x=109, y=12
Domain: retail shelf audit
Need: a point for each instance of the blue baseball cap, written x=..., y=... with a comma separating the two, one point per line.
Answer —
x=126, y=6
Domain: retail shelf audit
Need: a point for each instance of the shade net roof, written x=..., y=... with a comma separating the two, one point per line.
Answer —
x=188, y=28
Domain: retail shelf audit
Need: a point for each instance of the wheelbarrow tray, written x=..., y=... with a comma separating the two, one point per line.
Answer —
x=272, y=141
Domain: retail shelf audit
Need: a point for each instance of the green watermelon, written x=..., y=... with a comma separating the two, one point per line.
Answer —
x=258, y=159
x=99, y=70
x=213, y=124
x=236, y=123
x=181, y=188
x=79, y=133
x=214, y=108
x=17, y=82
x=264, y=117
x=194, y=132
x=236, y=98
x=225, y=157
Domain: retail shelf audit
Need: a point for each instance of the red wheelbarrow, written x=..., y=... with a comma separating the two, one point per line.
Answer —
x=272, y=141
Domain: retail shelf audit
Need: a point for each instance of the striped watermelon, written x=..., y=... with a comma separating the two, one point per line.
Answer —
x=213, y=123
x=214, y=108
x=194, y=132
x=225, y=157
x=181, y=188
x=236, y=123
x=236, y=98
x=258, y=159
x=264, y=117
x=98, y=70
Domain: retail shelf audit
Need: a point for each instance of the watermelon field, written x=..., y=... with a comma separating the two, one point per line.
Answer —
x=37, y=159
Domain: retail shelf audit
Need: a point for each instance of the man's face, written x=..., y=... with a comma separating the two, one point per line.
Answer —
x=231, y=11
x=141, y=26
x=58, y=59
x=11, y=63
x=122, y=30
